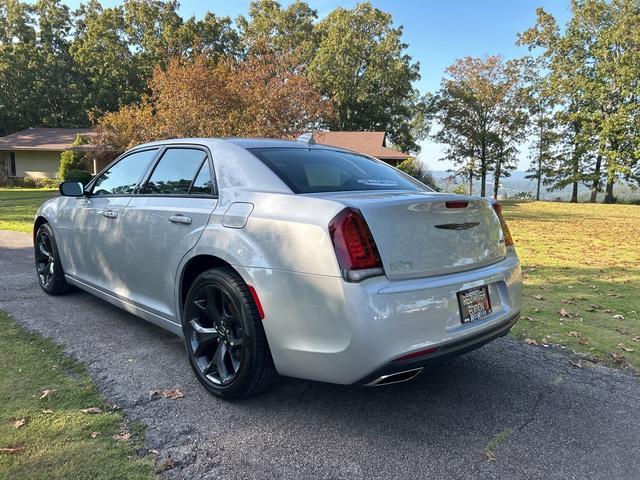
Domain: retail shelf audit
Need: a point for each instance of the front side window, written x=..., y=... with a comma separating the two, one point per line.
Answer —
x=122, y=177
x=325, y=170
x=178, y=173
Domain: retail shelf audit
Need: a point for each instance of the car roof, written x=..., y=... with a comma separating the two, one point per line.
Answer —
x=244, y=143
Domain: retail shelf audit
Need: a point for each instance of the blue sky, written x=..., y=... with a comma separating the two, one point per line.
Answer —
x=438, y=32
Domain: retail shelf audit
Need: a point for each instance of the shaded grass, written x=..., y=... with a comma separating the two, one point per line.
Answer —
x=581, y=266
x=57, y=444
x=18, y=207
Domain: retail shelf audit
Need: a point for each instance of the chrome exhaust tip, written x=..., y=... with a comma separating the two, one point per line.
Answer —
x=397, y=377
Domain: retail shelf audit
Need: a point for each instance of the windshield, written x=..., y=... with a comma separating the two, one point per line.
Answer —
x=325, y=170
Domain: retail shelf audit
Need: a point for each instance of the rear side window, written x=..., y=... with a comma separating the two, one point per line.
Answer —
x=123, y=176
x=180, y=171
x=325, y=170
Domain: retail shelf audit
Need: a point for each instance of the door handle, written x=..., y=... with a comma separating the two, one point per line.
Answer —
x=110, y=214
x=179, y=218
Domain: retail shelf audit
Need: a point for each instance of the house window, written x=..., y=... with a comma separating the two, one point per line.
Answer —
x=12, y=164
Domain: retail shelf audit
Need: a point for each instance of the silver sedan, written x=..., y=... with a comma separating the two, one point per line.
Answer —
x=284, y=257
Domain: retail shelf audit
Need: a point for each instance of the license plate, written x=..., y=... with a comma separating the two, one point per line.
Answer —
x=474, y=304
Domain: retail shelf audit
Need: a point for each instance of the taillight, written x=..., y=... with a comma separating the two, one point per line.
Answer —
x=355, y=249
x=508, y=239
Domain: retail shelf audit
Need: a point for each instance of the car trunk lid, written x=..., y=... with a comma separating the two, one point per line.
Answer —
x=427, y=234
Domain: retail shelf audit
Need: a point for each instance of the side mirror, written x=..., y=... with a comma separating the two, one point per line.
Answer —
x=71, y=189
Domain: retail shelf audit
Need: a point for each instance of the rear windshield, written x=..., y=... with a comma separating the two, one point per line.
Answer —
x=325, y=170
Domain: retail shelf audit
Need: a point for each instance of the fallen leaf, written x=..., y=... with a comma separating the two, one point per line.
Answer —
x=47, y=411
x=154, y=393
x=626, y=349
x=154, y=452
x=583, y=341
x=122, y=437
x=536, y=310
x=172, y=394
x=530, y=341
x=46, y=393
x=618, y=317
x=636, y=338
x=564, y=313
x=529, y=319
x=167, y=464
x=95, y=434
x=573, y=334
x=19, y=423
x=91, y=410
x=617, y=358
x=577, y=364
x=15, y=449
x=538, y=297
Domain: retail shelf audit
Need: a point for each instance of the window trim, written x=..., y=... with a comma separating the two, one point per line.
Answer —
x=179, y=146
x=91, y=184
x=142, y=182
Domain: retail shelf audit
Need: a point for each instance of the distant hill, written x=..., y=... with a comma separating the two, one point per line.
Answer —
x=516, y=183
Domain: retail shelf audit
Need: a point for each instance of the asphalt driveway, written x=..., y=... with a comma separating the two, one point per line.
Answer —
x=507, y=410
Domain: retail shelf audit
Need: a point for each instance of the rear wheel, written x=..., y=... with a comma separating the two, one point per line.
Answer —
x=48, y=266
x=224, y=337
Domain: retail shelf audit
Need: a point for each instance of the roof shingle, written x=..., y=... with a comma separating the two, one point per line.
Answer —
x=44, y=139
x=369, y=143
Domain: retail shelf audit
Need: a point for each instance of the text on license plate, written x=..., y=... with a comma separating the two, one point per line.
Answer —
x=474, y=304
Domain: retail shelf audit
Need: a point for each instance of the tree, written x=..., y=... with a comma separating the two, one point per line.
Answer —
x=255, y=97
x=283, y=30
x=362, y=67
x=104, y=59
x=419, y=171
x=593, y=69
x=480, y=112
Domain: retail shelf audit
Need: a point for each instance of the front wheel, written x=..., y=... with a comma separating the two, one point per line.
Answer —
x=48, y=265
x=224, y=337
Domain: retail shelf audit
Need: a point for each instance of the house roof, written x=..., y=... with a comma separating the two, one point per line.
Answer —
x=369, y=143
x=43, y=139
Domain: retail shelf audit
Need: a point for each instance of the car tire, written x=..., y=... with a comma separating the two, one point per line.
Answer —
x=224, y=337
x=48, y=266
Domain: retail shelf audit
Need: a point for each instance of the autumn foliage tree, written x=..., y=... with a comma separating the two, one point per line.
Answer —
x=259, y=96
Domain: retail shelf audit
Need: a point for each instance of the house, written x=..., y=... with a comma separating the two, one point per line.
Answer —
x=373, y=144
x=35, y=152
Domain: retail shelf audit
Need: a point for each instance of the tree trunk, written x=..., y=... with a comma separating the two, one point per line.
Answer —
x=471, y=179
x=483, y=170
x=608, y=193
x=596, y=180
x=539, y=179
x=574, y=193
x=496, y=177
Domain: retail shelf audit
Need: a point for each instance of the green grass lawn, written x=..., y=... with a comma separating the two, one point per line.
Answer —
x=581, y=266
x=56, y=441
x=19, y=205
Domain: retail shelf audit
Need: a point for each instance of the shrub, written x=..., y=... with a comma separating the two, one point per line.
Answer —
x=78, y=176
x=72, y=159
x=46, y=182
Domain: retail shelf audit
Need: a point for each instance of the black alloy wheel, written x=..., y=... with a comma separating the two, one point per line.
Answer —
x=48, y=265
x=224, y=336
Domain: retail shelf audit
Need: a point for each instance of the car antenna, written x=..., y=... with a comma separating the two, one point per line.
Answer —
x=306, y=138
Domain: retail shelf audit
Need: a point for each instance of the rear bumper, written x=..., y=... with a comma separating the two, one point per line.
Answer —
x=444, y=352
x=323, y=328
